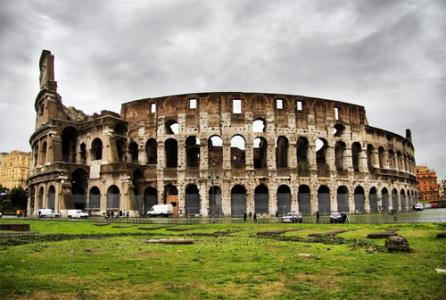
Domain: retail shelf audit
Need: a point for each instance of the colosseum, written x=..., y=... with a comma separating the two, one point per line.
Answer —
x=216, y=154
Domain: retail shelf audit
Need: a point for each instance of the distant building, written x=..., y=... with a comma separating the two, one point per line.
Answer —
x=14, y=169
x=427, y=184
x=442, y=189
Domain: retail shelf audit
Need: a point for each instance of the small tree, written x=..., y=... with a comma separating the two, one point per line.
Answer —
x=18, y=198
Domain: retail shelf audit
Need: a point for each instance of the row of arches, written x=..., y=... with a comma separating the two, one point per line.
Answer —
x=375, y=200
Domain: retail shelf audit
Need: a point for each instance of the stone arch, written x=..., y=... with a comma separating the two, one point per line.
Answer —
x=192, y=152
x=321, y=157
x=238, y=201
x=79, y=183
x=113, y=198
x=120, y=149
x=260, y=149
x=373, y=200
x=171, y=149
x=192, y=203
x=356, y=152
x=303, y=166
x=323, y=199
x=151, y=148
x=215, y=203
x=172, y=127
x=370, y=157
x=238, y=151
x=43, y=153
x=133, y=150
x=382, y=157
x=259, y=125
x=340, y=148
x=395, y=205
x=150, y=198
x=96, y=149
x=304, y=199
x=51, y=196
x=359, y=198
x=283, y=200
x=215, y=151
x=403, y=200
x=384, y=199
x=391, y=159
x=83, y=153
x=94, y=200
x=282, y=152
x=261, y=199
x=342, y=199
x=69, y=141
x=40, y=197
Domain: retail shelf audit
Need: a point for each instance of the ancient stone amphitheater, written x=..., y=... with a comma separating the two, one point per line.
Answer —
x=216, y=154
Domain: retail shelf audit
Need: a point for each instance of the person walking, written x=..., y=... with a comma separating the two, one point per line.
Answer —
x=318, y=216
x=255, y=217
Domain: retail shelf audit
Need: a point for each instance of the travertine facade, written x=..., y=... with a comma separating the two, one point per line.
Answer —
x=218, y=154
x=14, y=169
x=427, y=184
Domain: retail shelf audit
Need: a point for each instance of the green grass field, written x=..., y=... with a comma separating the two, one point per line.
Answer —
x=79, y=260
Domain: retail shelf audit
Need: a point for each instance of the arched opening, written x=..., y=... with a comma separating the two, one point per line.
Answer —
x=399, y=160
x=340, y=156
x=120, y=150
x=356, y=150
x=40, y=198
x=259, y=125
x=403, y=200
x=382, y=157
x=171, y=197
x=237, y=151
x=113, y=198
x=192, y=203
x=338, y=130
x=138, y=182
x=83, y=153
x=215, y=205
x=359, y=199
x=94, y=198
x=261, y=199
x=391, y=159
x=151, y=151
x=283, y=200
x=96, y=149
x=192, y=152
x=384, y=199
x=260, y=147
x=172, y=127
x=133, y=149
x=43, y=153
x=321, y=157
x=215, y=151
x=32, y=197
x=35, y=155
x=370, y=157
x=282, y=152
x=304, y=200
x=79, y=183
x=69, y=140
x=121, y=129
x=238, y=201
x=52, y=197
x=323, y=200
x=373, y=200
x=171, y=148
x=342, y=199
x=302, y=157
x=150, y=198
x=395, y=205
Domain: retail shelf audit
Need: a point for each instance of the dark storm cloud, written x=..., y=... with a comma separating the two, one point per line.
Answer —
x=387, y=55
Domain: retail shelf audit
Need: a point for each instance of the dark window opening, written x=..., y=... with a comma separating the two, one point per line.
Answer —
x=282, y=152
x=151, y=151
x=96, y=149
x=171, y=148
x=215, y=151
x=133, y=149
x=192, y=152
x=260, y=151
x=238, y=151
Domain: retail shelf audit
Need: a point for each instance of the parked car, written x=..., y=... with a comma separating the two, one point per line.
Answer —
x=337, y=217
x=160, y=210
x=76, y=214
x=292, y=217
x=418, y=206
x=47, y=213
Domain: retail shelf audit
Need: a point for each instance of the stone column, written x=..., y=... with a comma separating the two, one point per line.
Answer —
x=204, y=197
x=292, y=155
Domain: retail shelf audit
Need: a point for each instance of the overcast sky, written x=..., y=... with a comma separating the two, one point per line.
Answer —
x=388, y=55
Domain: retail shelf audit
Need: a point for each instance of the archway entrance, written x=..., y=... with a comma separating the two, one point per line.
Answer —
x=261, y=200
x=215, y=206
x=238, y=201
x=283, y=200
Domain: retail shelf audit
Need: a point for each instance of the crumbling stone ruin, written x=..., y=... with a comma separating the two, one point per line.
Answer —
x=216, y=154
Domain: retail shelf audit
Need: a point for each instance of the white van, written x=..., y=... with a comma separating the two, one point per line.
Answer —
x=47, y=213
x=161, y=210
x=76, y=214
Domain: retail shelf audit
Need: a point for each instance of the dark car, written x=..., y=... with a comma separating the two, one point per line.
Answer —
x=337, y=217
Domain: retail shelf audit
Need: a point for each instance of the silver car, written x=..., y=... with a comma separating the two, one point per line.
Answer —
x=292, y=217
